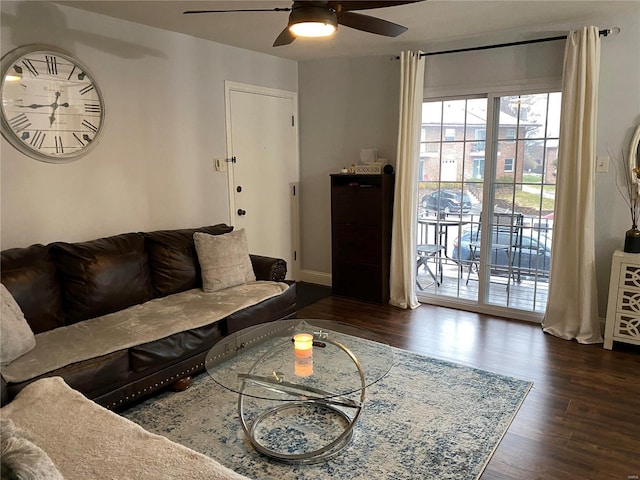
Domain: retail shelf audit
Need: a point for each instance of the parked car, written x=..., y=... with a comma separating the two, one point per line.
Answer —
x=531, y=254
x=447, y=201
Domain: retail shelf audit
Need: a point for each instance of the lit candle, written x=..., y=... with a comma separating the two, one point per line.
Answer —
x=304, y=367
x=303, y=345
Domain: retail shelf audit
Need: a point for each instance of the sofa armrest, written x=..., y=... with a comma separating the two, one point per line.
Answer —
x=269, y=268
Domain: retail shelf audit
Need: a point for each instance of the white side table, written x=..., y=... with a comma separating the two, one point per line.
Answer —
x=623, y=308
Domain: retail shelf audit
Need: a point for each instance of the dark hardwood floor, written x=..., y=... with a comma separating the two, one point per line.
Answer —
x=581, y=419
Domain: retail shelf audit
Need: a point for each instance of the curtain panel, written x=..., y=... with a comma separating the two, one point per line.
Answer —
x=405, y=210
x=572, y=309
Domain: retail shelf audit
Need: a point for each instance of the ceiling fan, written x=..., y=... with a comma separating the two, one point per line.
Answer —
x=314, y=18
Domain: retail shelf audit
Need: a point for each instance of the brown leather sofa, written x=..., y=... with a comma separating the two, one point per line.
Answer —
x=63, y=283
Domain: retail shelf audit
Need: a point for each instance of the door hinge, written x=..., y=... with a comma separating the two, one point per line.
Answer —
x=293, y=121
x=295, y=255
x=294, y=190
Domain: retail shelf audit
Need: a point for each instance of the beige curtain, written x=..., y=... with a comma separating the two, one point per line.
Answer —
x=572, y=308
x=403, y=242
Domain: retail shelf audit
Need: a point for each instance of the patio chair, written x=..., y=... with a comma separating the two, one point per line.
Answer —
x=426, y=253
x=506, y=234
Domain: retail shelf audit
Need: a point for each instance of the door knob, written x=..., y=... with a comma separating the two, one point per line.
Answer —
x=241, y=212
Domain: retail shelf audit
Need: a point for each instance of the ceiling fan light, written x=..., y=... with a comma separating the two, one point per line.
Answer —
x=312, y=29
x=312, y=21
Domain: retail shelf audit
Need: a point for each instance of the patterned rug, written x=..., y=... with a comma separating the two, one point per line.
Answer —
x=427, y=419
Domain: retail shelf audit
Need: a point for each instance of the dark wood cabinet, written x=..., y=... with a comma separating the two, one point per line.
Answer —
x=361, y=214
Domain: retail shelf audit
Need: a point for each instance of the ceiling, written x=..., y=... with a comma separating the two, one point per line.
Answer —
x=432, y=23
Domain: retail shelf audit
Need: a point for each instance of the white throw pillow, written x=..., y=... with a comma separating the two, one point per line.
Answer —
x=224, y=260
x=16, y=337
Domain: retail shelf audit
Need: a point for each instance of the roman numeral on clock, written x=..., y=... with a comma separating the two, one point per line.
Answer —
x=59, y=147
x=89, y=125
x=38, y=139
x=86, y=89
x=19, y=122
x=52, y=65
x=78, y=139
x=29, y=66
x=92, y=108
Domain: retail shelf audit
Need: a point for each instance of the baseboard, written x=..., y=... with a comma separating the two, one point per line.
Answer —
x=319, y=278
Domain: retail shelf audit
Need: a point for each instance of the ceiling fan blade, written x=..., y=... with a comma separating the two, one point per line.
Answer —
x=344, y=6
x=370, y=24
x=285, y=37
x=189, y=12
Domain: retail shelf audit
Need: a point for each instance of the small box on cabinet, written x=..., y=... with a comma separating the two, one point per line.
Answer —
x=369, y=169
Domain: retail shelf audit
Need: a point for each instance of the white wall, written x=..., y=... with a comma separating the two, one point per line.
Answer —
x=324, y=147
x=164, y=107
x=345, y=105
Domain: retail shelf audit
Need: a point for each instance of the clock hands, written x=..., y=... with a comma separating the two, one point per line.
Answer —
x=33, y=105
x=54, y=106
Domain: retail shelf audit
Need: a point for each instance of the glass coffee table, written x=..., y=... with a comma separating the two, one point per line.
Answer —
x=300, y=383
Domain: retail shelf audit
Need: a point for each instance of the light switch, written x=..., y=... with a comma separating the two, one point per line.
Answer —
x=602, y=164
x=220, y=164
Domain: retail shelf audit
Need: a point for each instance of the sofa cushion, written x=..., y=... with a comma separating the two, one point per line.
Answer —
x=158, y=354
x=30, y=275
x=103, y=276
x=86, y=441
x=90, y=377
x=173, y=262
x=136, y=325
x=224, y=260
x=269, y=310
x=16, y=338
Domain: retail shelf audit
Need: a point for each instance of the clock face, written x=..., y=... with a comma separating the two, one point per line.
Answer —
x=52, y=109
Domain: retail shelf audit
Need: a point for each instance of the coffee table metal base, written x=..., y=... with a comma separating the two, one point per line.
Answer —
x=274, y=442
x=262, y=430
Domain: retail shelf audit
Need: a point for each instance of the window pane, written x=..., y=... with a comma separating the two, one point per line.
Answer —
x=533, y=115
x=533, y=158
x=474, y=161
x=550, y=165
x=553, y=115
x=507, y=151
x=508, y=118
x=451, y=161
x=476, y=122
x=430, y=167
x=453, y=119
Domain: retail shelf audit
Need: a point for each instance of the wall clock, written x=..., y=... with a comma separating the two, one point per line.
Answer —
x=52, y=108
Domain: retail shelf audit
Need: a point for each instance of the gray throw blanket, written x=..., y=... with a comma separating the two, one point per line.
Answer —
x=153, y=320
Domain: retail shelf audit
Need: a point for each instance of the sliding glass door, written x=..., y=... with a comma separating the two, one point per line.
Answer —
x=486, y=191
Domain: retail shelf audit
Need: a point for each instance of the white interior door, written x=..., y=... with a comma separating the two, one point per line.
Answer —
x=262, y=145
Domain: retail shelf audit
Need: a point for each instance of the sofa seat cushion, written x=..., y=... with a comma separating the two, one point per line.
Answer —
x=87, y=441
x=272, y=309
x=160, y=353
x=147, y=322
x=103, y=276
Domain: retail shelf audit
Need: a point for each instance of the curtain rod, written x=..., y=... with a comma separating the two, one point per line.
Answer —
x=605, y=32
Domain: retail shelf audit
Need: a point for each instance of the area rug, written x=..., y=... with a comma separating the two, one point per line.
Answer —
x=426, y=419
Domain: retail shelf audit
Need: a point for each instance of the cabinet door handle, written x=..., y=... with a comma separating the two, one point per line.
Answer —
x=241, y=212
